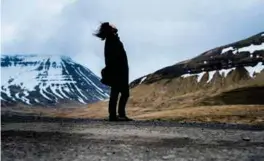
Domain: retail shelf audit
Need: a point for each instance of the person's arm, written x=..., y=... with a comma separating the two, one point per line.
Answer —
x=110, y=54
x=107, y=54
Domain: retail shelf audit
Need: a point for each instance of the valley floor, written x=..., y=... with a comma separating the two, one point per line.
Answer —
x=137, y=140
x=232, y=114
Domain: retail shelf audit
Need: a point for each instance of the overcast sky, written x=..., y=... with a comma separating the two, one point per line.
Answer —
x=156, y=33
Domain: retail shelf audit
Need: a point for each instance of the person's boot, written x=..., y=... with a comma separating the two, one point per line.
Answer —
x=124, y=118
x=113, y=118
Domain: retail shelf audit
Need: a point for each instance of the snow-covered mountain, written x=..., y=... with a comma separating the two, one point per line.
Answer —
x=48, y=80
x=231, y=74
x=245, y=56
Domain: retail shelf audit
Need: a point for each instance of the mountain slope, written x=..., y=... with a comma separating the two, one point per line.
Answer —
x=216, y=72
x=246, y=53
x=47, y=80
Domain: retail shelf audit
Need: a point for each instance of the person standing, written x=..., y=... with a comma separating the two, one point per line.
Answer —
x=116, y=71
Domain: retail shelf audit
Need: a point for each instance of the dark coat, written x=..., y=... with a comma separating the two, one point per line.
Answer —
x=116, y=71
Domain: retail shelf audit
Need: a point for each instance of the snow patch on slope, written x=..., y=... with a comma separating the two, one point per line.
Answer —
x=256, y=69
x=223, y=72
x=227, y=49
x=252, y=48
x=198, y=75
x=142, y=79
x=211, y=74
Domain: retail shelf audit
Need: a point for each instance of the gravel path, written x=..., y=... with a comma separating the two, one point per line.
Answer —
x=101, y=140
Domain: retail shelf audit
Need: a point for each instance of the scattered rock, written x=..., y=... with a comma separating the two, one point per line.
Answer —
x=168, y=157
x=108, y=153
x=245, y=138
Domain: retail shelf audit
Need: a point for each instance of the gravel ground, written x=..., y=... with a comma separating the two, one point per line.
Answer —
x=114, y=141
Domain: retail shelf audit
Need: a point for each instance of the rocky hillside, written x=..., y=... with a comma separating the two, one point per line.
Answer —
x=47, y=81
x=243, y=59
x=225, y=84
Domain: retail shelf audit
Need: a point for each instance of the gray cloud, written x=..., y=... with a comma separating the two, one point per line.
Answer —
x=155, y=33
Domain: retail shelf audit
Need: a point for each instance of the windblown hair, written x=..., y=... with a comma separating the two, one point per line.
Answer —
x=103, y=31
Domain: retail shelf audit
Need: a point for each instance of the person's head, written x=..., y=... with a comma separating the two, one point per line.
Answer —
x=106, y=30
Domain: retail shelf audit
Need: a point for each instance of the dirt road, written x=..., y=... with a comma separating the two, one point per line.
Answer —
x=102, y=140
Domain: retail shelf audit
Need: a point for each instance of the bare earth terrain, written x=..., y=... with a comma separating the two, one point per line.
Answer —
x=236, y=104
x=138, y=140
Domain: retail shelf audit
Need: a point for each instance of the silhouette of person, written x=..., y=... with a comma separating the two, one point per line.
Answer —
x=116, y=71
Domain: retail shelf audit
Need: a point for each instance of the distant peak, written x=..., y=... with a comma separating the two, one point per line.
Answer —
x=36, y=55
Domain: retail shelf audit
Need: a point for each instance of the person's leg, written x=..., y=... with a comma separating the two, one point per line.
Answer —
x=123, y=100
x=113, y=102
